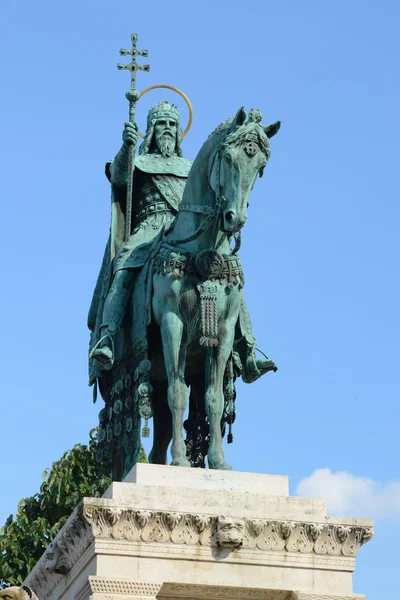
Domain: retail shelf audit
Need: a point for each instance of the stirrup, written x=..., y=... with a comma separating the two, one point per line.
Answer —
x=251, y=369
x=110, y=363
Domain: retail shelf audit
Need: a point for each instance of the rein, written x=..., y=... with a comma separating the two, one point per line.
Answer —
x=211, y=212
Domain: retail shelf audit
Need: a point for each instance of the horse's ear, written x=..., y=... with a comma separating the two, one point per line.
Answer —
x=239, y=118
x=272, y=129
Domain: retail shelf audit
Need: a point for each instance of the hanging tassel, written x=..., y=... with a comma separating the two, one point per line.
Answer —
x=146, y=429
x=95, y=391
x=145, y=409
x=209, y=313
x=230, y=434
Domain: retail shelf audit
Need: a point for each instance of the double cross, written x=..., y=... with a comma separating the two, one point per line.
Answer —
x=133, y=96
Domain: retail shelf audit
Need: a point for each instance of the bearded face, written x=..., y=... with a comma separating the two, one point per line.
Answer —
x=165, y=134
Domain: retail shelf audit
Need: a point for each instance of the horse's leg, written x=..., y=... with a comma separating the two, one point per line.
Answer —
x=175, y=358
x=197, y=426
x=162, y=424
x=216, y=361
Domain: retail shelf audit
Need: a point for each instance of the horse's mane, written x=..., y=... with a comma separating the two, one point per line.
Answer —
x=223, y=137
x=221, y=127
x=248, y=131
x=242, y=134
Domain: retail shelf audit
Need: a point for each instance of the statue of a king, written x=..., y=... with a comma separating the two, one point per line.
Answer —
x=158, y=182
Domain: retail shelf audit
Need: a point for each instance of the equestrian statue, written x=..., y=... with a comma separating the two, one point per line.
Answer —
x=169, y=325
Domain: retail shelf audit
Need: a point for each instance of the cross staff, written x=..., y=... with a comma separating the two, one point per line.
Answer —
x=133, y=96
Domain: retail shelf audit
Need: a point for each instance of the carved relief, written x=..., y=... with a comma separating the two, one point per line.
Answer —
x=123, y=586
x=267, y=535
x=62, y=554
x=22, y=592
x=229, y=532
x=328, y=542
x=56, y=559
x=355, y=538
x=173, y=591
x=299, y=538
x=307, y=596
x=225, y=531
x=100, y=520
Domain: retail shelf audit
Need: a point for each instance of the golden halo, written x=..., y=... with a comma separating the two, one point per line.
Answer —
x=174, y=89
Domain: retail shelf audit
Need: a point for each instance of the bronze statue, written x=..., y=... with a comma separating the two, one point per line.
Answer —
x=168, y=311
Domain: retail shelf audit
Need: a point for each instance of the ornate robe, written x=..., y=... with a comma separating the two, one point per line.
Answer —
x=158, y=185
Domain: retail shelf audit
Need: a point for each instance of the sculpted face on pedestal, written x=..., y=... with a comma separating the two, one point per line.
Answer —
x=230, y=532
x=22, y=592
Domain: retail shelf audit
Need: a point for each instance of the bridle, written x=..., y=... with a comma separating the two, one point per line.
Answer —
x=211, y=213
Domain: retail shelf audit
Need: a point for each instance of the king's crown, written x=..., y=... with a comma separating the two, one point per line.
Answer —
x=163, y=110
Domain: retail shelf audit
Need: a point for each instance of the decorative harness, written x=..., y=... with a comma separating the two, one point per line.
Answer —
x=213, y=268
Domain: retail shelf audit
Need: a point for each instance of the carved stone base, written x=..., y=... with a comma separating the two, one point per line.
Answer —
x=169, y=533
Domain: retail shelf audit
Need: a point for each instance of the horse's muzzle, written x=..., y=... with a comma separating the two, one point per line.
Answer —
x=231, y=222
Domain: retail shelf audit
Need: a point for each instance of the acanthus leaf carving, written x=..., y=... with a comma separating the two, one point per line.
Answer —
x=205, y=525
x=173, y=519
x=328, y=541
x=270, y=537
x=207, y=530
x=300, y=539
x=185, y=531
x=97, y=518
x=143, y=517
x=126, y=527
x=356, y=537
x=156, y=529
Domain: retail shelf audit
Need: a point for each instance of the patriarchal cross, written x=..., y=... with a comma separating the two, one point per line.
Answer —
x=133, y=96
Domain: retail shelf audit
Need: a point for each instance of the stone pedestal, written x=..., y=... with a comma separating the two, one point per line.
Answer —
x=170, y=533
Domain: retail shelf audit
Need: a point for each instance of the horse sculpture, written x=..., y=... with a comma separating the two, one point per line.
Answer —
x=193, y=283
x=197, y=308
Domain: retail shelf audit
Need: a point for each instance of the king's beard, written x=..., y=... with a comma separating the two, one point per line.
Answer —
x=166, y=144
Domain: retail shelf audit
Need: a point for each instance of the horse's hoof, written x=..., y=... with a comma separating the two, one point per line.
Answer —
x=157, y=460
x=221, y=466
x=181, y=463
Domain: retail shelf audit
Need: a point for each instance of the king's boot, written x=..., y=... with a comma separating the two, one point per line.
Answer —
x=252, y=367
x=113, y=316
x=104, y=350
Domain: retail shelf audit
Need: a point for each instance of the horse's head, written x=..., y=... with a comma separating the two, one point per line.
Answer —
x=243, y=154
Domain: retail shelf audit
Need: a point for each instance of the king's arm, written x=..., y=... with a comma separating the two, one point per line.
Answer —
x=117, y=173
x=118, y=168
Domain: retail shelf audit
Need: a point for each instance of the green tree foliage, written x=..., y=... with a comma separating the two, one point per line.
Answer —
x=24, y=538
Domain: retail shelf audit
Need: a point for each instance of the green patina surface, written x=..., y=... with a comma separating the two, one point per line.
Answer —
x=168, y=321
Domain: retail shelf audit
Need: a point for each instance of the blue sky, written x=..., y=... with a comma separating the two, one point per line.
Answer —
x=320, y=249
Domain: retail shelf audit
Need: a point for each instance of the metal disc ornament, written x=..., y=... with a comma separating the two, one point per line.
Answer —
x=209, y=263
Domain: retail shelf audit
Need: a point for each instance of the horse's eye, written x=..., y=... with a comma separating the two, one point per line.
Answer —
x=228, y=159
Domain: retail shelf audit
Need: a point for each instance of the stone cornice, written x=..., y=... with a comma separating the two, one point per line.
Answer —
x=207, y=530
x=63, y=554
x=99, y=519
x=101, y=588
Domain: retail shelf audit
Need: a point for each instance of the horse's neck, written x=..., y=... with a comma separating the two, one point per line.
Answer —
x=198, y=192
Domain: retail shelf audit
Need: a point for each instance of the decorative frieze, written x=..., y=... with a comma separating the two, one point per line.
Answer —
x=306, y=596
x=98, y=588
x=101, y=588
x=183, y=533
x=210, y=530
x=176, y=591
x=62, y=554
